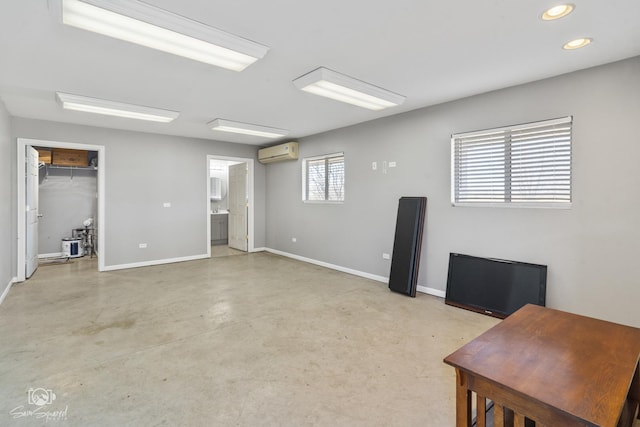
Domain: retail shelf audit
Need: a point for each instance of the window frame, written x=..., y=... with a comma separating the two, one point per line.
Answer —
x=305, y=172
x=568, y=120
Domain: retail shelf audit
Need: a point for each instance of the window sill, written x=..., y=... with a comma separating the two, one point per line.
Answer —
x=324, y=202
x=563, y=206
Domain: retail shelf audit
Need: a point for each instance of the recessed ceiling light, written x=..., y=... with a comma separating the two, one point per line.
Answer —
x=247, y=128
x=557, y=12
x=150, y=26
x=113, y=108
x=577, y=43
x=330, y=84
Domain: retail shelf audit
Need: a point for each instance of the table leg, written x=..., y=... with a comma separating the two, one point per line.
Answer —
x=481, y=411
x=498, y=415
x=463, y=400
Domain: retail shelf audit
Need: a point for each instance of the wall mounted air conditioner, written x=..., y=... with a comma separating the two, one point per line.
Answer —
x=278, y=153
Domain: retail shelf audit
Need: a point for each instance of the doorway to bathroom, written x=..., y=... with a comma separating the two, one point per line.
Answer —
x=230, y=204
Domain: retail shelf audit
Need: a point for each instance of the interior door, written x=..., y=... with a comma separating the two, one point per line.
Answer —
x=31, y=194
x=238, y=206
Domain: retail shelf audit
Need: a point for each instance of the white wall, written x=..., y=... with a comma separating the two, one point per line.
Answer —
x=142, y=172
x=7, y=206
x=592, y=249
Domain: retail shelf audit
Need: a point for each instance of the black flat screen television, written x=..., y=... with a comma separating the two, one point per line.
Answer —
x=495, y=287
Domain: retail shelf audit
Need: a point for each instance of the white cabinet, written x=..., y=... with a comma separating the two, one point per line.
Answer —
x=219, y=228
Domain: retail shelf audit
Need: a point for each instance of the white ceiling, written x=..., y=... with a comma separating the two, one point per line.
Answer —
x=430, y=51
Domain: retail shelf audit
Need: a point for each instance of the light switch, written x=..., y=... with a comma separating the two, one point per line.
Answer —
x=166, y=204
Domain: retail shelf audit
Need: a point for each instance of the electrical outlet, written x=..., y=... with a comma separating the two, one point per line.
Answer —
x=166, y=204
x=374, y=165
x=293, y=239
x=142, y=246
x=392, y=164
x=385, y=256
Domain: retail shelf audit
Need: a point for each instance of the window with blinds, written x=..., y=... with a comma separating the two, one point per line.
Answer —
x=323, y=178
x=527, y=165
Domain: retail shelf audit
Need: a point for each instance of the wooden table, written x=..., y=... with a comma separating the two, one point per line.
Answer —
x=550, y=368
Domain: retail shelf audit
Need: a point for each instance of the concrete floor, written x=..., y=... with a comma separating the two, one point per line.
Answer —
x=248, y=340
x=224, y=250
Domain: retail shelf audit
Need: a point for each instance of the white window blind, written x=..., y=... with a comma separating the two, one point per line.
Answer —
x=323, y=178
x=527, y=165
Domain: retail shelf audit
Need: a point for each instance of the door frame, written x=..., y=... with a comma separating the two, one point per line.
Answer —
x=250, y=197
x=21, y=197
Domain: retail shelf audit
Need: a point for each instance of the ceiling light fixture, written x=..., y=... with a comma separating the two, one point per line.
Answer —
x=113, y=108
x=247, y=129
x=328, y=83
x=557, y=12
x=577, y=43
x=147, y=25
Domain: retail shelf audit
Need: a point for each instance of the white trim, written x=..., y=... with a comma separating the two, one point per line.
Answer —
x=513, y=205
x=6, y=289
x=324, y=202
x=263, y=249
x=325, y=156
x=529, y=125
x=20, y=201
x=155, y=262
x=430, y=291
x=421, y=289
x=546, y=133
x=51, y=255
x=250, y=190
x=331, y=266
x=305, y=162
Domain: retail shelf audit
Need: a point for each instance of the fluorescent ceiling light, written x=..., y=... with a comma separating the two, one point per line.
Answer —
x=247, y=129
x=328, y=83
x=577, y=43
x=147, y=25
x=112, y=108
x=557, y=12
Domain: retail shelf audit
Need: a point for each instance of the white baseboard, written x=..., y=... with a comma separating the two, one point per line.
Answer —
x=263, y=249
x=422, y=289
x=6, y=289
x=435, y=292
x=51, y=255
x=331, y=266
x=154, y=262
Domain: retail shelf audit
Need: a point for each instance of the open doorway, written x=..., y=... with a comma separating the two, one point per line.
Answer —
x=67, y=203
x=28, y=192
x=230, y=205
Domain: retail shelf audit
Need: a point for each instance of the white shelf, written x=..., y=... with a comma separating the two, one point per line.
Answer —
x=90, y=168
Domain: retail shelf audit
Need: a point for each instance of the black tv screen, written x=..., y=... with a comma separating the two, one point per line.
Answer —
x=495, y=287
